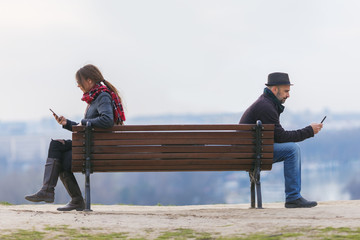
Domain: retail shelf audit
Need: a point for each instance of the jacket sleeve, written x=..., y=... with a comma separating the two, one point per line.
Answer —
x=69, y=124
x=282, y=136
x=105, y=118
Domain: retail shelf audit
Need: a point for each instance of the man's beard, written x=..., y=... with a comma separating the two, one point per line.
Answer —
x=282, y=100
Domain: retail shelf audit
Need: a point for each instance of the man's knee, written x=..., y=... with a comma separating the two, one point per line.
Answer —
x=283, y=151
x=294, y=148
x=293, y=153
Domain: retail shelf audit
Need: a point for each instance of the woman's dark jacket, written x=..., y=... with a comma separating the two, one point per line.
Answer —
x=99, y=113
x=267, y=111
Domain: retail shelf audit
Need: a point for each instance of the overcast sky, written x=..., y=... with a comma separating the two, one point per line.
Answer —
x=178, y=57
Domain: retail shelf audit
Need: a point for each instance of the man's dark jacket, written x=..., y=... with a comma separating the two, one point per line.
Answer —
x=267, y=110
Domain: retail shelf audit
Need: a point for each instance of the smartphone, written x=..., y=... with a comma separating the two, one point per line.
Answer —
x=323, y=119
x=53, y=112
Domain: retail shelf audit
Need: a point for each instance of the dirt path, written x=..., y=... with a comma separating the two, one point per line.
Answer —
x=150, y=221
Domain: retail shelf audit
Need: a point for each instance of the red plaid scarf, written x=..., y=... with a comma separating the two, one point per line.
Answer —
x=119, y=115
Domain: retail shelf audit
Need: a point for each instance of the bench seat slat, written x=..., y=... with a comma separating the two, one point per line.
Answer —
x=151, y=168
x=195, y=127
x=174, y=141
x=171, y=135
x=170, y=156
x=179, y=149
x=169, y=162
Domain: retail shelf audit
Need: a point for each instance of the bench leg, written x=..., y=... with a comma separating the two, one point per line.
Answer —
x=87, y=191
x=258, y=193
x=255, y=184
x=252, y=190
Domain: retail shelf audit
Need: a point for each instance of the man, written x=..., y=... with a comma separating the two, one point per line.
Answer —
x=267, y=108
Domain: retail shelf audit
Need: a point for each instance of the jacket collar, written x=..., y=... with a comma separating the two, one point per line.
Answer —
x=269, y=94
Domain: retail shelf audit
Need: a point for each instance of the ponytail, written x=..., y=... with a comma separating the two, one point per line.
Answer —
x=113, y=89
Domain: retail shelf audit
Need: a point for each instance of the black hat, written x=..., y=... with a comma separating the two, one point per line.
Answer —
x=278, y=78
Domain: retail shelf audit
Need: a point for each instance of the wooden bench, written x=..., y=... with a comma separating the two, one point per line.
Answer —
x=166, y=148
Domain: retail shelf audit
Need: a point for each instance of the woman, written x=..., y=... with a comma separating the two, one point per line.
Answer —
x=104, y=110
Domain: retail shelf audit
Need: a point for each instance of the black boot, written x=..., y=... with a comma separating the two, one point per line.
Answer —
x=72, y=187
x=51, y=175
x=300, y=203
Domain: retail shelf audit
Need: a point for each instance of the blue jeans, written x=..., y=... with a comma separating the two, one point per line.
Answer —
x=289, y=153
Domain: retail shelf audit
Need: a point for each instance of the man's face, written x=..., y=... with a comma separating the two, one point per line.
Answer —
x=282, y=92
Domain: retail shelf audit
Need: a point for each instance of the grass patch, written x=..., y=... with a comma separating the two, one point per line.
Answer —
x=102, y=236
x=329, y=233
x=260, y=236
x=62, y=229
x=65, y=232
x=23, y=235
x=161, y=205
x=338, y=233
x=6, y=203
x=181, y=233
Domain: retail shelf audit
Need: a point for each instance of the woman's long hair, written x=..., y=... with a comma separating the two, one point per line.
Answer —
x=92, y=72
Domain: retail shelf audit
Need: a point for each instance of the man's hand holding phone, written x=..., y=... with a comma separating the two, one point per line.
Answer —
x=61, y=120
x=317, y=126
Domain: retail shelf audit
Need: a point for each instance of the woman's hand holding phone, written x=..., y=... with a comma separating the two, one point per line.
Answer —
x=61, y=120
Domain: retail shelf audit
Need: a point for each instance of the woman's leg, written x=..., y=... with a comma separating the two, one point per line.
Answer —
x=71, y=185
x=51, y=173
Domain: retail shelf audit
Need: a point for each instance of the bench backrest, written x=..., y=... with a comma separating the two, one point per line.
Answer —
x=151, y=148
